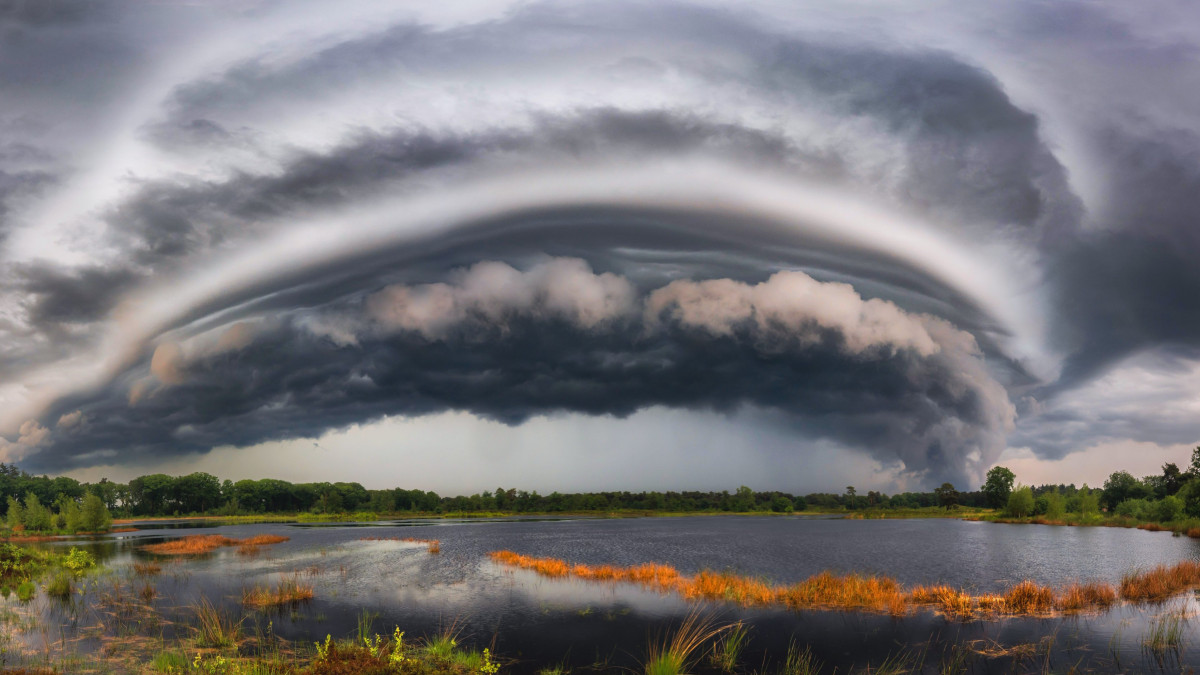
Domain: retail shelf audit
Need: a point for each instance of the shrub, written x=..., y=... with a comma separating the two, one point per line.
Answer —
x=1168, y=509
x=1020, y=502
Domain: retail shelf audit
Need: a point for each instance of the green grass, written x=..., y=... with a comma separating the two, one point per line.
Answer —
x=170, y=662
x=800, y=661
x=675, y=653
x=727, y=650
x=1166, y=633
x=215, y=627
x=26, y=590
x=60, y=585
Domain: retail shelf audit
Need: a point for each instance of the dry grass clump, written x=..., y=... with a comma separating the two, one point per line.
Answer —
x=289, y=592
x=950, y=601
x=146, y=569
x=198, y=544
x=1160, y=583
x=192, y=545
x=844, y=591
x=1029, y=598
x=1080, y=597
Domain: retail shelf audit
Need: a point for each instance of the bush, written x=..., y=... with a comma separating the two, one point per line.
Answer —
x=1139, y=509
x=781, y=504
x=1020, y=502
x=1170, y=508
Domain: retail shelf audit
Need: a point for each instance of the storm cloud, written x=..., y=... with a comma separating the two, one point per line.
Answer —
x=924, y=237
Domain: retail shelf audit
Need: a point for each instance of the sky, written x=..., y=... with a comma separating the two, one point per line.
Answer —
x=627, y=245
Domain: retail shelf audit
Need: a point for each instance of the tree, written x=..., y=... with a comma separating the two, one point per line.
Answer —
x=998, y=486
x=94, y=515
x=1121, y=485
x=16, y=513
x=947, y=495
x=1020, y=502
x=37, y=517
x=781, y=504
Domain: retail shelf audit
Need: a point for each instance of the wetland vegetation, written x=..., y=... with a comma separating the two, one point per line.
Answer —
x=302, y=591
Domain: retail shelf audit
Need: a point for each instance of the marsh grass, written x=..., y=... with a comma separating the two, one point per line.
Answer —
x=289, y=592
x=146, y=569
x=1165, y=633
x=800, y=661
x=675, y=653
x=727, y=651
x=215, y=627
x=828, y=590
x=60, y=585
x=26, y=590
x=199, y=544
x=1161, y=582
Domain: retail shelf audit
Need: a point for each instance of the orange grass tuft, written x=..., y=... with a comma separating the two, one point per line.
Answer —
x=146, y=569
x=1160, y=583
x=1193, y=532
x=289, y=592
x=1081, y=597
x=1029, y=598
x=197, y=544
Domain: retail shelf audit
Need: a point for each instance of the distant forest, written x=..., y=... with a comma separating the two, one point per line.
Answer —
x=202, y=493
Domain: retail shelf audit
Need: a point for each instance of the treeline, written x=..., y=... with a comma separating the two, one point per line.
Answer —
x=203, y=493
x=1169, y=496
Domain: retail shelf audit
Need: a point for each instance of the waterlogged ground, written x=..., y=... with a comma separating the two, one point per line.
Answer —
x=537, y=622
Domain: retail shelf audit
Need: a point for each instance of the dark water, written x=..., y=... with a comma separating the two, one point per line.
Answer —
x=540, y=622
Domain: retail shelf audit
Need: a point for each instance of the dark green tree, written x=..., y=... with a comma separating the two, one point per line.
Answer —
x=998, y=486
x=947, y=496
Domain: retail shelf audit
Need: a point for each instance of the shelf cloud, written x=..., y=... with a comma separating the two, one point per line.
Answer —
x=925, y=241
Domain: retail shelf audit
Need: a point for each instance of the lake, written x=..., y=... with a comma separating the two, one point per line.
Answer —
x=538, y=622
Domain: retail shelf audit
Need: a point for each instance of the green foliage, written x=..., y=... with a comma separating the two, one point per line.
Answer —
x=60, y=585
x=1020, y=502
x=1121, y=485
x=947, y=495
x=16, y=513
x=782, y=504
x=78, y=560
x=37, y=517
x=1138, y=509
x=26, y=590
x=998, y=486
x=169, y=663
x=94, y=515
x=1168, y=509
x=1088, y=503
x=1055, y=505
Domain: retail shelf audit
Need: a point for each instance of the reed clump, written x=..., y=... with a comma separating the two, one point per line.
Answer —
x=1082, y=597
x=198, y=544
x=1028, y=597
x=289, y=592
x=147, y=569
x=1161, y=582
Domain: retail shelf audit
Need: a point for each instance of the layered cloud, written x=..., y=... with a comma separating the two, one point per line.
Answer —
x=224, y=225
